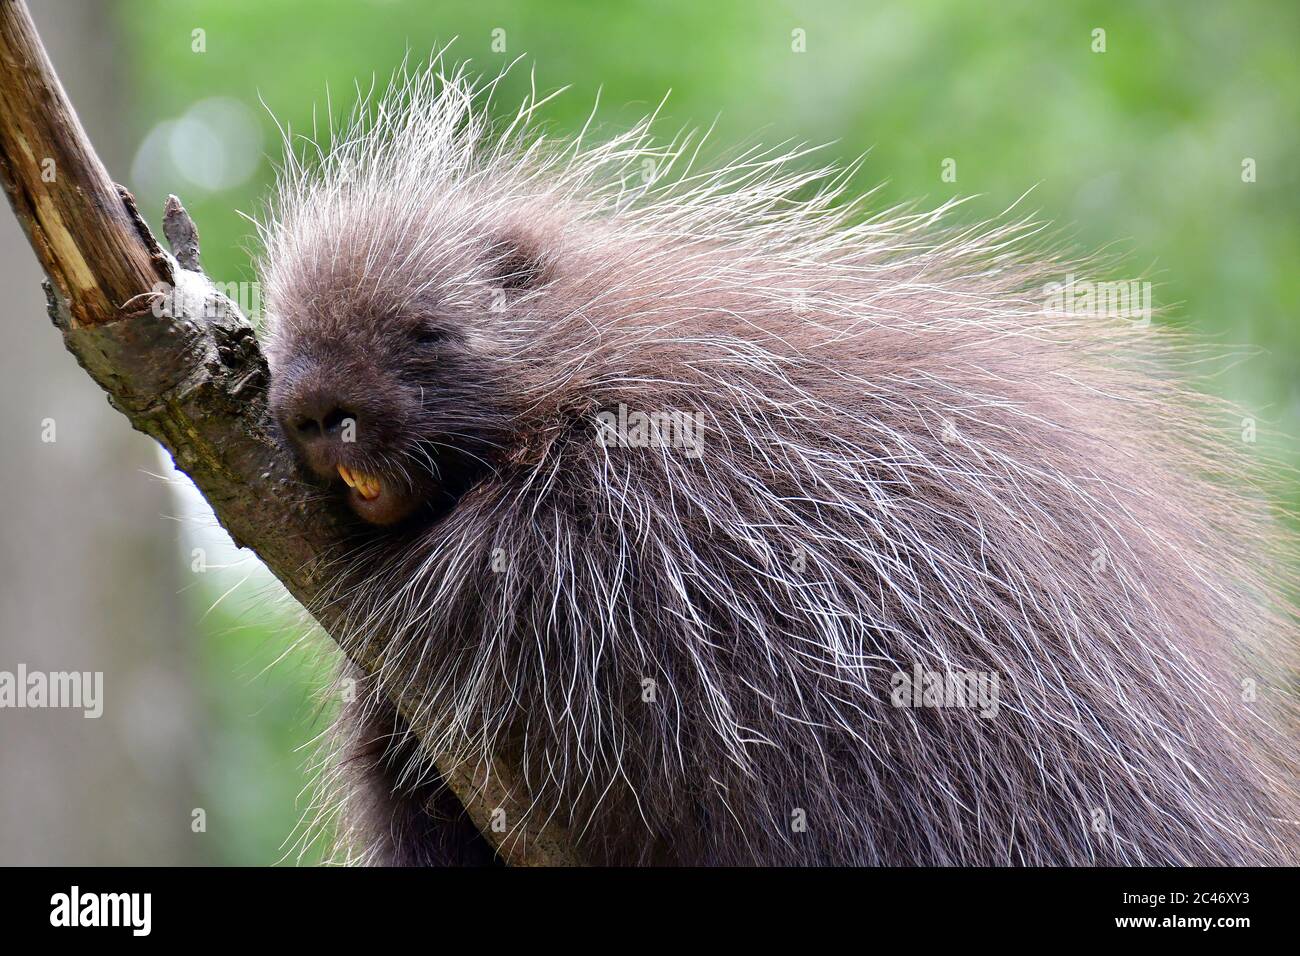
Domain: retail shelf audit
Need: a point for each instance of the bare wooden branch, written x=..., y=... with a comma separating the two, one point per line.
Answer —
x=179, y=360
x=79, y=228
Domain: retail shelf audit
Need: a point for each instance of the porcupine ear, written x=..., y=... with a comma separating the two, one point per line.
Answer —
x=517, y=261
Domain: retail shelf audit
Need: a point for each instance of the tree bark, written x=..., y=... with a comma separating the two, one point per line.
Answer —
x=183, y=365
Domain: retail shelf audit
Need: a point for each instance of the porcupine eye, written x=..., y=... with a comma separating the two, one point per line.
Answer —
x=427, y=335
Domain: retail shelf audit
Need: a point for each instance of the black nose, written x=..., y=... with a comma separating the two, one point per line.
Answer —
x=322, y=422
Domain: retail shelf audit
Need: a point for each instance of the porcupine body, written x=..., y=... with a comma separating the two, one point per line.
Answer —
x=668, y=475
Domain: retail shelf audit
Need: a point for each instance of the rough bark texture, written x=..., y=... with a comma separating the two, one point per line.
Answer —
x=184, y=368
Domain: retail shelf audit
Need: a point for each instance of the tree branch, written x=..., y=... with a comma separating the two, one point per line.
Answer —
x=183, y=365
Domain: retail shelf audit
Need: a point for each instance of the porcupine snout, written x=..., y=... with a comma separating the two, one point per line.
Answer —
x=344, y=420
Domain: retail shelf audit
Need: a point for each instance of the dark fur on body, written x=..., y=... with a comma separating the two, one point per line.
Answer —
x=905, y=460
x=400, y=819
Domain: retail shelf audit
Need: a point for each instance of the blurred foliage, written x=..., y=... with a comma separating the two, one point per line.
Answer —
x=263, y=689
x=1138, y=149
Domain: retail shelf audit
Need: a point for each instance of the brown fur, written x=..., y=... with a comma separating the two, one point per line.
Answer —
x=905, y=460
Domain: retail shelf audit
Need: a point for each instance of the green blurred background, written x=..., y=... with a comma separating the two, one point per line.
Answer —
x=1139, y=149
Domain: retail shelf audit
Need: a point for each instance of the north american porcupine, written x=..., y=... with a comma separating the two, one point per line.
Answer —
x=670, y=476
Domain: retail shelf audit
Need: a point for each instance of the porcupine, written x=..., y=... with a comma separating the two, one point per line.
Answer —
x=668, y=473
